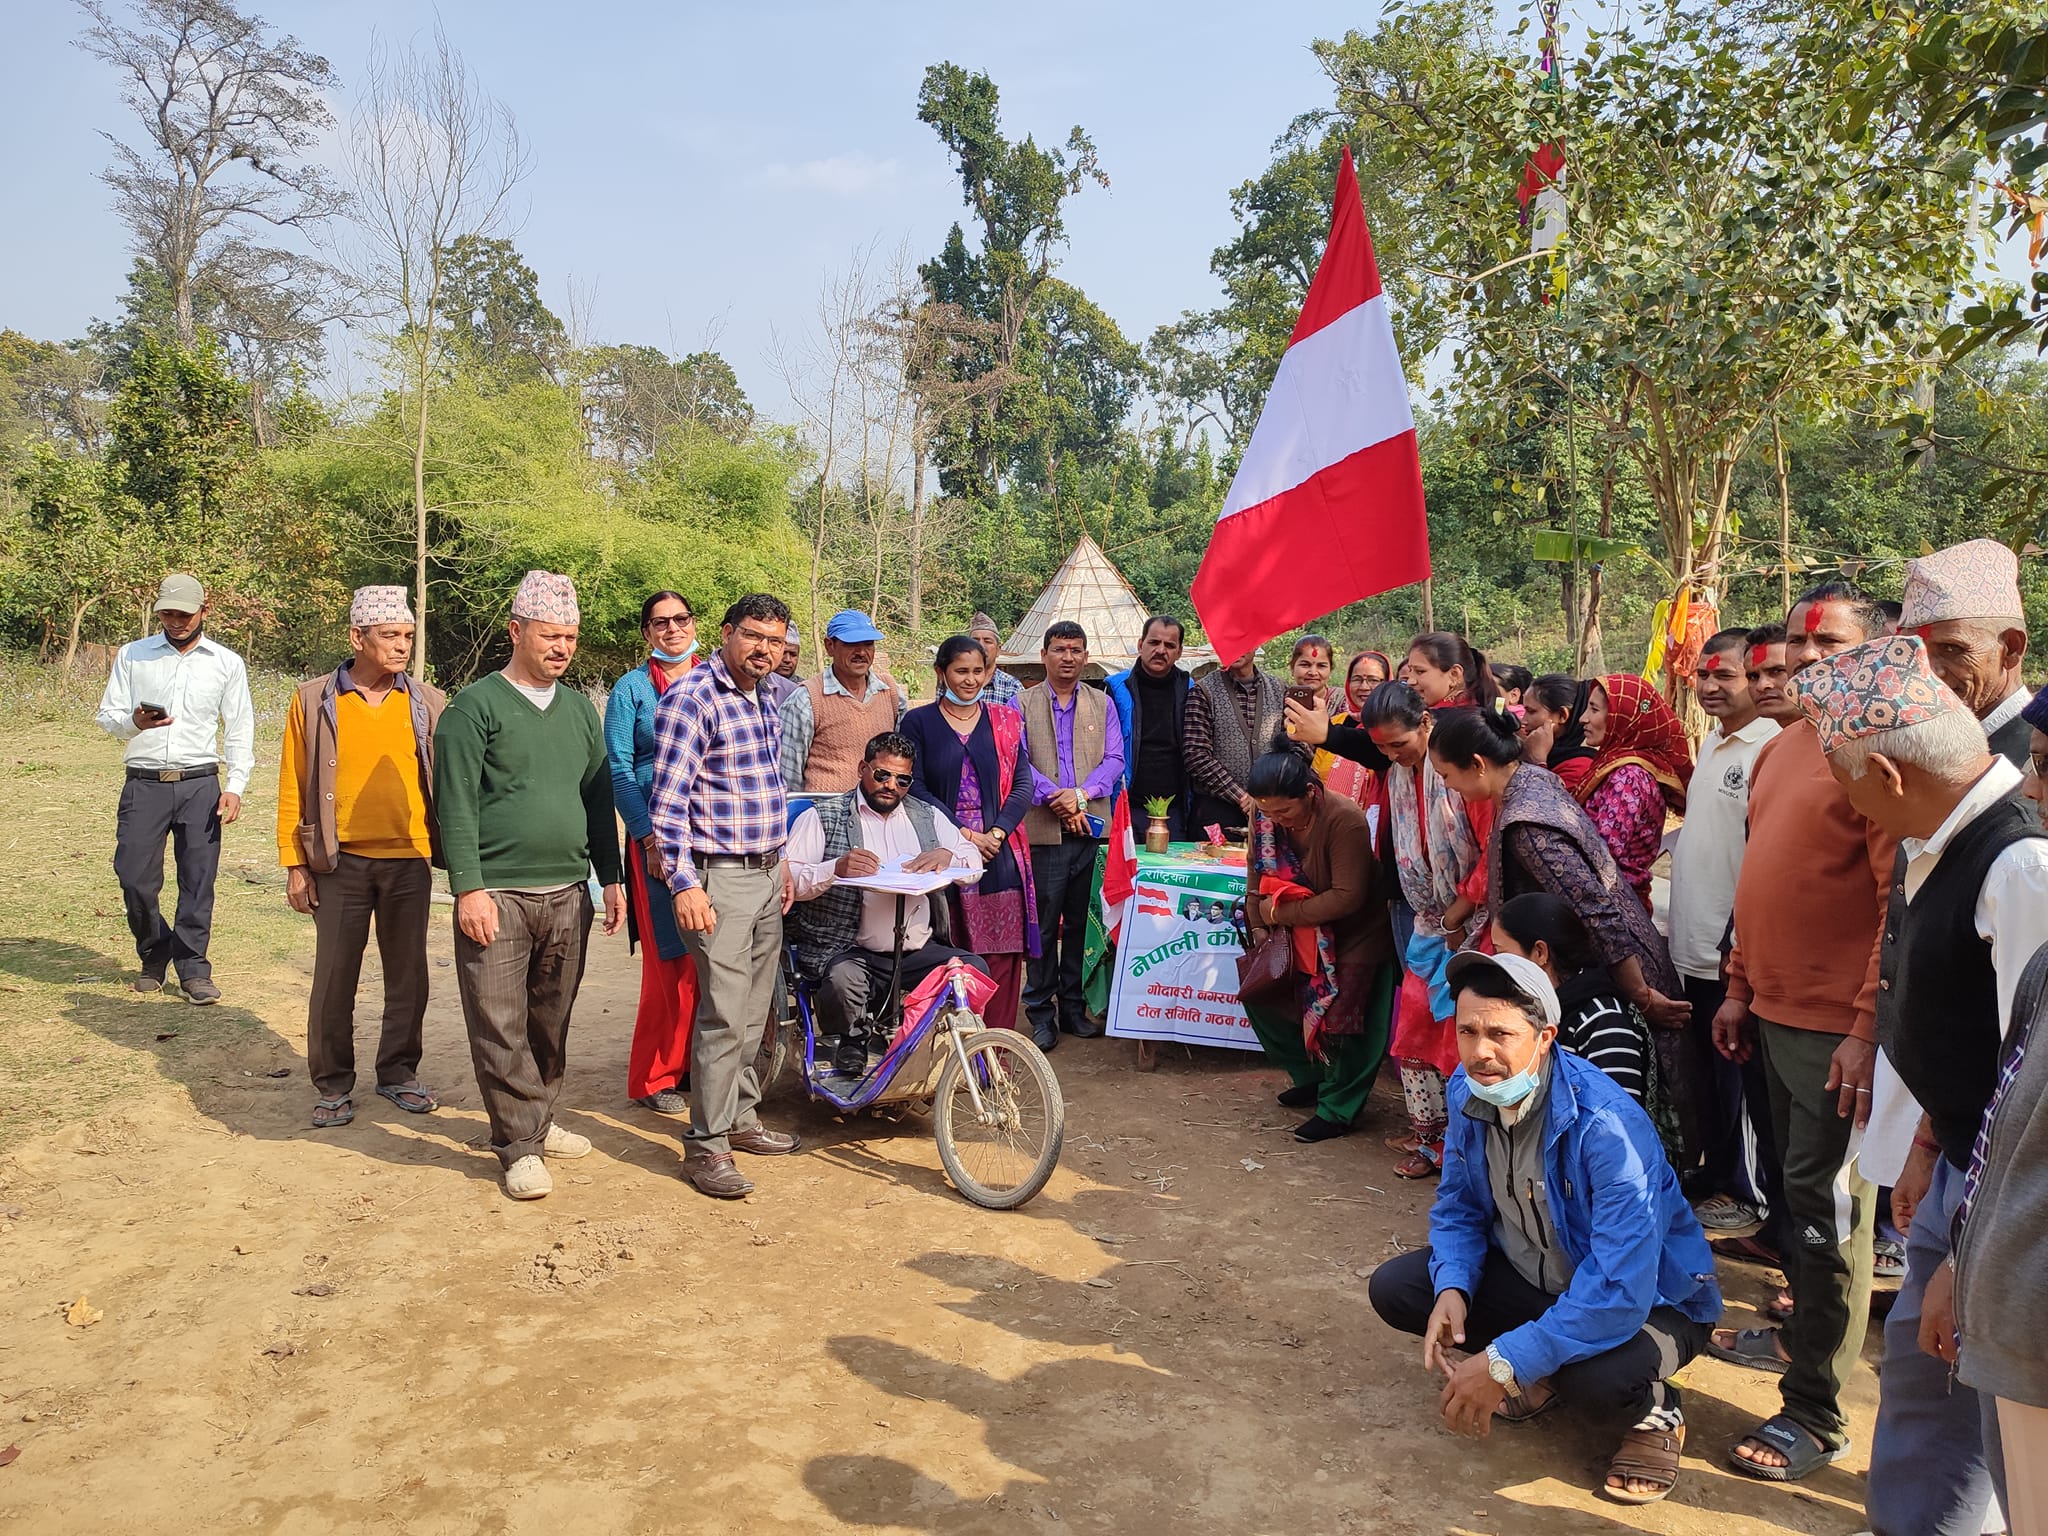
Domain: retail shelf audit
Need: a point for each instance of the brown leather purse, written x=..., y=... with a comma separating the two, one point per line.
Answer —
x=1266, y=974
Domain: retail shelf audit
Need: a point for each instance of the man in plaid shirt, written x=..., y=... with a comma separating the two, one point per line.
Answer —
x=719, y=811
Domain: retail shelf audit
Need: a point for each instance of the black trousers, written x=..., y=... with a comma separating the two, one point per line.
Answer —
x=1063, y=872
x=398, y=895
x=1739, y=1150
x=854, y=978
x=1624, y=1383
x=188, y=813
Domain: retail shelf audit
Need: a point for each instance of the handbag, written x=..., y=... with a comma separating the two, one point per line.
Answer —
x=1266, y=975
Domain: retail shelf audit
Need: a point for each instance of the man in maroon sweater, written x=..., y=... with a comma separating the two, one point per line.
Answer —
x=1802, y=990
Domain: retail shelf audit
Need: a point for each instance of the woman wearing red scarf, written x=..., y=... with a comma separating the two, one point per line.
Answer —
x=1341, y=776
x=1641, y=763
x=658, y=1069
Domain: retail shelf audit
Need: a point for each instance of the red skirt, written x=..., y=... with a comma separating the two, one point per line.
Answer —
x=668, y=999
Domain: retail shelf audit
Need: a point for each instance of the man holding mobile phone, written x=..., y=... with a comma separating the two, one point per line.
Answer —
x=180, y=700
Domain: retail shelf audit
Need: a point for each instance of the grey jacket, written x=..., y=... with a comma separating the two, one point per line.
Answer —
x=2002, y=1249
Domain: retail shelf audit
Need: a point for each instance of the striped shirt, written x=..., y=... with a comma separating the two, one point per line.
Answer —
x=717, y=773
x=1603, y=1030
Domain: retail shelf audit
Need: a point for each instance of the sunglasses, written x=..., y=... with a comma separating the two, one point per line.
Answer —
x=672, y=621
x=900, y=780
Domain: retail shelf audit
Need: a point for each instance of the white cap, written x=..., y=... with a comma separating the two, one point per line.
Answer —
x=1524, y=975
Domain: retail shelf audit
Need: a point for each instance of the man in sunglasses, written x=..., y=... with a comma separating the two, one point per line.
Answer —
x=846, y=940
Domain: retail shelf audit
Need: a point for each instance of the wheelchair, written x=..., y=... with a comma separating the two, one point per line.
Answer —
x=997, y=1111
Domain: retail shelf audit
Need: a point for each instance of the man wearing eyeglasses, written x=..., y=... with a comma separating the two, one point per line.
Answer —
x=718, y=809
x=846, y=940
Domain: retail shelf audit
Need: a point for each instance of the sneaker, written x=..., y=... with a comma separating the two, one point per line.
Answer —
x=562, y=1144
x=148, y=981
x=200, y=992
x=669, y=1101
x=1724, y=1213
x=529, y=1179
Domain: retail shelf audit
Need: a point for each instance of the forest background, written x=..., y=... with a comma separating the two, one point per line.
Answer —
x=1773, y=346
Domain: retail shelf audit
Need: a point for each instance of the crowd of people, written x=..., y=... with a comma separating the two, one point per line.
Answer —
x=1809, y=1039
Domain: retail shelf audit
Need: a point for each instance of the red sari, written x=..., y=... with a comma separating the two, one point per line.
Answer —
x=660, y=1057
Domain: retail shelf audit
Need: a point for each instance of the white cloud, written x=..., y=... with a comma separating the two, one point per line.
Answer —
x=850, y=175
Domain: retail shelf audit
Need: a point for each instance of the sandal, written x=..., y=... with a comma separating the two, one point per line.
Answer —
x=1538, y=1398
x=1747, y=1249
x=332, y=1112
x=1425, y=1162
x=411, y=1097
x=1756, y=1348
x=1779, y=1308
x=1802, y=1452
x=1407, y=1141
x=1648, y=1456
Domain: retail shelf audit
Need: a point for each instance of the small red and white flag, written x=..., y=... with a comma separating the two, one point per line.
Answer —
x=1119, y=866
x=1327, y=504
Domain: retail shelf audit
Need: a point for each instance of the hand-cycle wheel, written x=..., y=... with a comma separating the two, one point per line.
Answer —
x=1002, y=1154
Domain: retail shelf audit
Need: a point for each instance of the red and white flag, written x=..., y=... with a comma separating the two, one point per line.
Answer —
x=1119, y=866
x=1327, y=504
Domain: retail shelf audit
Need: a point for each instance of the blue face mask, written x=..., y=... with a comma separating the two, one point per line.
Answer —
x=954, y=698
x=1509, y=1091
x=669, y=660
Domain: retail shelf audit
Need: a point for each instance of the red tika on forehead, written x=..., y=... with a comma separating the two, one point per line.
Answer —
x=1813, y=616
x=1758, y=655
x=1926, y=634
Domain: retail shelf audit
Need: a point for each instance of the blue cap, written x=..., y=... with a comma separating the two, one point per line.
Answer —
x=851, y=626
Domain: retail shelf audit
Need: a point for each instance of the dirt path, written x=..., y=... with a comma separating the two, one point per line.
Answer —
x=310, y=1332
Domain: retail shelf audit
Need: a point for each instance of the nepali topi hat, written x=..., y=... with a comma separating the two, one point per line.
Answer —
x=546, y=598
x=1977, y=580
x=379, y=605
x=1880, y=685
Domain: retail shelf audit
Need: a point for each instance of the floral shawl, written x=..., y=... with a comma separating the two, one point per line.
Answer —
x=1434, y=847
x=1008, y=726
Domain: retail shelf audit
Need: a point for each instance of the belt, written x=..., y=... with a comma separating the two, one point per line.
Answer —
x=174, y=775
x=766, y=860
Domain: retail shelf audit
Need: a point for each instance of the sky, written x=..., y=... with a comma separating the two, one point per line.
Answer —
x=700, y=169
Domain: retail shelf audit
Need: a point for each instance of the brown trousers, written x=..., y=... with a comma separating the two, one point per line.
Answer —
x=398, y=894
x=516, y=995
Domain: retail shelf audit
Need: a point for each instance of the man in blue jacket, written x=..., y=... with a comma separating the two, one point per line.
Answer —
x=1150, y=700
x=1559, y=1243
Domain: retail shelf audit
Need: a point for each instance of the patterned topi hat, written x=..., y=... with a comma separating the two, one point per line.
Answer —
x=547, y=598
x=1977, y=580
x=1880, y=685
x=379, y=605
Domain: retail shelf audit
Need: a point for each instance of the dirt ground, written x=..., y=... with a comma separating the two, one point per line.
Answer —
x=355, y=1330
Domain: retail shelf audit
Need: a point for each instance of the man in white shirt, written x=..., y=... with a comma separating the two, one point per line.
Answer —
x=1969, y=911
x=1704, y=866
x=846, y=940
x=181, y=702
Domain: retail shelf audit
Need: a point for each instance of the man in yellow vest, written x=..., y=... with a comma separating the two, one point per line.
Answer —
x=828, y=720
x=356, y=834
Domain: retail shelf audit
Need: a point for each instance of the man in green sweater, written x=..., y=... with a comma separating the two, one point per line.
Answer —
x=525, y=798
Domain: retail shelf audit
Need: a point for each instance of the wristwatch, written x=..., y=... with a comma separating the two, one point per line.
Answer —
x=1498, y=1368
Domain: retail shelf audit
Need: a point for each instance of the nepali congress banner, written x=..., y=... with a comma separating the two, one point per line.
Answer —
x=1176, y=971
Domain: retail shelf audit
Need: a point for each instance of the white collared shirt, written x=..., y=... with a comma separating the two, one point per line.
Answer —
x=2011, y=916
x=893, y=840
x=204, y=689
x=1707, y=859
x=2008, y=710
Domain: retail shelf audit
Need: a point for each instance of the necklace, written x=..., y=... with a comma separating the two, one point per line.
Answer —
x=952, y=711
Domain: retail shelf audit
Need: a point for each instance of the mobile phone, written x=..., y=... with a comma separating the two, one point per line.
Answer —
x=1303, y=696
x=154, y=709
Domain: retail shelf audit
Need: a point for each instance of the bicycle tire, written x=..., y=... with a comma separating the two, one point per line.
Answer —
x=1011, y=1056
x=772, y=1059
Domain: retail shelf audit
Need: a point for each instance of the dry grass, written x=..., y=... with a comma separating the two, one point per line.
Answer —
x=73, y=1039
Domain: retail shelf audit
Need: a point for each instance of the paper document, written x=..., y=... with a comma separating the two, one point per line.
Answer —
x=895, y=880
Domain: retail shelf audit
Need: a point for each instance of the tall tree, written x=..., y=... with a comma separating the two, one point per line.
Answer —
x=432, y=159
x=229, y=110
x=1018, y=194
x=496, y=317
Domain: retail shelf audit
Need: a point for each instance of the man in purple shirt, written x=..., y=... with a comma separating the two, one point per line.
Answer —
x=1076, y=745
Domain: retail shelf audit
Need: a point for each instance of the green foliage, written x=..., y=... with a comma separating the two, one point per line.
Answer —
x=496, y=322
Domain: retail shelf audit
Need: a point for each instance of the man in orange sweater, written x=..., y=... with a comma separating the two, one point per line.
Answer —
x=357, y=838
x=1802, y=990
